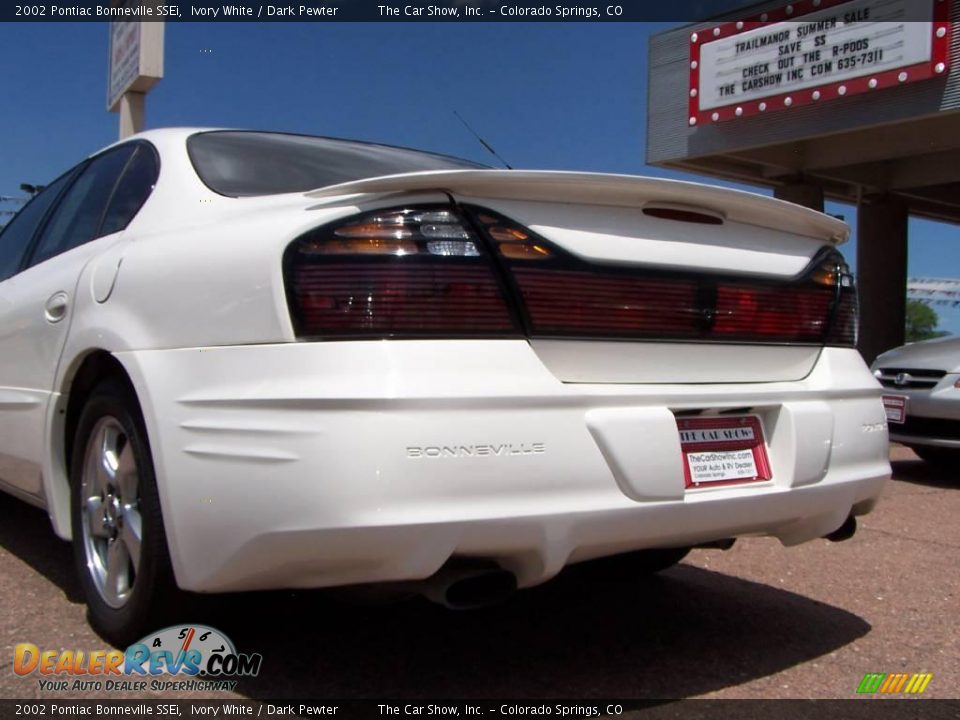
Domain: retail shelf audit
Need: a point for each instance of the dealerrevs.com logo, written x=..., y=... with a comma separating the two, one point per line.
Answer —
x=201, y=654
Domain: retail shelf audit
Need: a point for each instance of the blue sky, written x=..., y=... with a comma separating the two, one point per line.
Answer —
x=556, y=96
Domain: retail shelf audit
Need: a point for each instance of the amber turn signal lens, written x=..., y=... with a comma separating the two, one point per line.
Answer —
x=516, y=251
x=502, y=234
x=825, y=277
x=373, y=230
x=364, y=246
x=832, y=272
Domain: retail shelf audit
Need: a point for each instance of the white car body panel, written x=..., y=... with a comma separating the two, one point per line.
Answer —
x=606, y=190
x=287, y=464
x=617, y=362
x=941, y=354
x=292, y=461
x=630, y=237
x=30, y=348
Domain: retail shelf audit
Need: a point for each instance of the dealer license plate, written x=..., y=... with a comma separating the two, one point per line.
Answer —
x=896, y=408
x=723, y=450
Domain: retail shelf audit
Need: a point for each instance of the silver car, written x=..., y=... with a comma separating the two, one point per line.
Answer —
x=923, y=401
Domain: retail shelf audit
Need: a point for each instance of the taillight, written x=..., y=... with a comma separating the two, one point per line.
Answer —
x=410, y=272
x=463, y=271
x=844, y=324
x=566, y=302
x=786, y=314
x=563, y=296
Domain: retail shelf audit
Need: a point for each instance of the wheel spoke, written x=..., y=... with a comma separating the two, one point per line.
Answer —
x=101, y=478
x=99, y=471
x=94, y=510
x=127, y=479
x=130, y=535
x=109, y=461
x=117, y=579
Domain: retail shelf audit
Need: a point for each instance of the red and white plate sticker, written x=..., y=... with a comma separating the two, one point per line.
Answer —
x=896, y=408
x=723, y=450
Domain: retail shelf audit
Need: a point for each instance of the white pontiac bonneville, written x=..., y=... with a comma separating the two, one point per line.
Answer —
x=235, y=360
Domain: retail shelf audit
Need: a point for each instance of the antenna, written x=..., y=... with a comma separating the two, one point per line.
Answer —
x=482, y=141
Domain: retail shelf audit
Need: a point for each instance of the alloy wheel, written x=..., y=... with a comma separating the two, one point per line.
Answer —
x=111, y=522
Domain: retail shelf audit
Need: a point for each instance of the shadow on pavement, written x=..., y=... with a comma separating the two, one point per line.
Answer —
x=919, y=472
x=25, y=531
x=686, y=632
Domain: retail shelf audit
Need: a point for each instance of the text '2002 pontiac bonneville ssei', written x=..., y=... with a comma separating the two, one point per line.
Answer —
x=235, y=360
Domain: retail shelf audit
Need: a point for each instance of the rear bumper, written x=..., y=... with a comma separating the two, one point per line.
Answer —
x=323, y=464
x=928, y=439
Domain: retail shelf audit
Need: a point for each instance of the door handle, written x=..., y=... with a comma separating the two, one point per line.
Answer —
x=56, y=308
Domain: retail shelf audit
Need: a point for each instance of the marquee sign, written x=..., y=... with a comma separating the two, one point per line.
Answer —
x=815, y=51
x=124, y=59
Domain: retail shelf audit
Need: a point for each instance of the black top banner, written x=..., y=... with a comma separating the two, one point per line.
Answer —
x=344, y=11
x=466, y=11
x=40, y=709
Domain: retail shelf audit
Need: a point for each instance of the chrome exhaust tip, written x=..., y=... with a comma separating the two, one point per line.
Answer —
x=470, y=586
x=479, y=591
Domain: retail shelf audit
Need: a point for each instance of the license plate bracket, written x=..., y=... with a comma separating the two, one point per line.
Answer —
x=723, y=450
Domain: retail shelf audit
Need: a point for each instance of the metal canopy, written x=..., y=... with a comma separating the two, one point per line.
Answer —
x=918, y=161
x=896, y=141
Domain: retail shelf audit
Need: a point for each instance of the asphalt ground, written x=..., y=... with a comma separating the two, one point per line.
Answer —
x=756, y=621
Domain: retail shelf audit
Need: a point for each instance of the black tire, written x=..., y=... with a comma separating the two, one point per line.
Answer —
x=942, y=457
x=150, y=592
x=635, y=565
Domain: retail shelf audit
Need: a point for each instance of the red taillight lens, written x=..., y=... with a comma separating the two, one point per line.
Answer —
x=593, y=304
x=401, y=273
x=426, y=272
x=567, y=297
x=598, y=305
x=786, y=314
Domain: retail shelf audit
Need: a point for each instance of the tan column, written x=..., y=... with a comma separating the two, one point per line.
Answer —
x=131, y=113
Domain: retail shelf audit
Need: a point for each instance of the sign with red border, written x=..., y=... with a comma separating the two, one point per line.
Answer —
x=723, y=450
x=895, y=406
x=814, y=51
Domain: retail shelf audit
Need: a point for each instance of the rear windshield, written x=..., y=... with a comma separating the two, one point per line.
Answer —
x=243, y=163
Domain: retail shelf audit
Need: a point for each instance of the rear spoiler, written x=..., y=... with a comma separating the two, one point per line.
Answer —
x=605, y=189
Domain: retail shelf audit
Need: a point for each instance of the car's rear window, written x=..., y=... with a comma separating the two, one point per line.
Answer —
x=245, y=163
